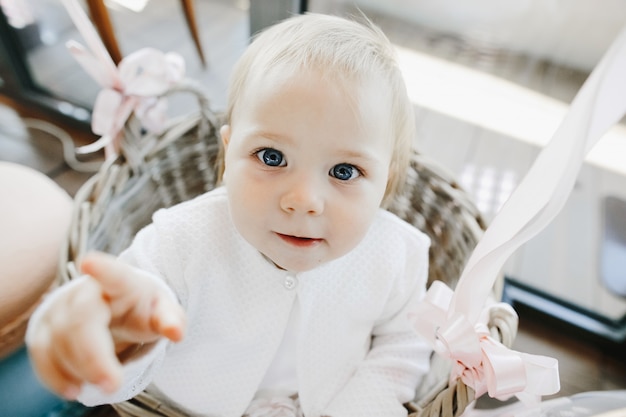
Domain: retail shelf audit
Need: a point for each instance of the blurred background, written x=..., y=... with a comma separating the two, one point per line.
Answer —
x=490, y=80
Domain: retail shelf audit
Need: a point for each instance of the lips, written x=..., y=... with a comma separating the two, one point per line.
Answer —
x=301, y=242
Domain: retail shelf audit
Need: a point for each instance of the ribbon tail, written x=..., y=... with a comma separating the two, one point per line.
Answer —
x=91, y=65
x=600, y=103
x=95, y=146
x=542, y=373
x=110, y=144
x=504, y=368
x=84, y=26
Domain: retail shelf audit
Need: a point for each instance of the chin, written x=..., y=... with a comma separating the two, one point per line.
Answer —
x=298, y=267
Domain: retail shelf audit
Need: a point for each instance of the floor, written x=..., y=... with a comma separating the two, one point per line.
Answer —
x=488, y=162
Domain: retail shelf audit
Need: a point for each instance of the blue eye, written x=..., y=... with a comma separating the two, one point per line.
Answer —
x=344, y=172
x=271, y=157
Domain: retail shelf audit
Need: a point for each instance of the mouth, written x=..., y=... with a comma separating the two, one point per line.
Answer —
x=301, y=242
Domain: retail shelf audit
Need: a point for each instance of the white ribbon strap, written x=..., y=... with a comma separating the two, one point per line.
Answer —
x=458, y=329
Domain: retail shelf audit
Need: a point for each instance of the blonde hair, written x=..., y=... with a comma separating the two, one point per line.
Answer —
x=339, y=47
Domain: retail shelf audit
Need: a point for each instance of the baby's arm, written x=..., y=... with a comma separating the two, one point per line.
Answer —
x=81, y=333
x=398, y=357
x=388, y=377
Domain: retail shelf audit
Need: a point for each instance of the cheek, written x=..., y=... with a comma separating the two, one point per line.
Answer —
x=245, y=211
x=235, y=174
x=249, y=196
x=352, y=220
x=247, y=185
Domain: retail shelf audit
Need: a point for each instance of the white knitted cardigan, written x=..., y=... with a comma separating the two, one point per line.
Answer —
x=357, y=354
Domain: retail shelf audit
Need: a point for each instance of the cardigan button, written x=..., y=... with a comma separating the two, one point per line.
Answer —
x=290, y=282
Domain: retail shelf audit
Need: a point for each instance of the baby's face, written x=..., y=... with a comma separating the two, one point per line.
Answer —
x=307, y=163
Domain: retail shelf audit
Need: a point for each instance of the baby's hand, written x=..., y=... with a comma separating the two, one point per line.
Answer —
x=82, y=335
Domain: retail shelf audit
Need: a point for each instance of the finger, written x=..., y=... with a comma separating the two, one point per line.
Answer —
x=43, y=335
x=168, y=319
x=135, y=298
x=82, y=344
x=111, y=273
x=89, y=354
x=90, y=357
x=52, y=375
x=155, y=314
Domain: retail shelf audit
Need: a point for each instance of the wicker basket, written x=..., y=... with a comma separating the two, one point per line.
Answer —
x=159, y=171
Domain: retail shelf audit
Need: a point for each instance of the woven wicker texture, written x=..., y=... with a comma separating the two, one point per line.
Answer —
x=159, y=171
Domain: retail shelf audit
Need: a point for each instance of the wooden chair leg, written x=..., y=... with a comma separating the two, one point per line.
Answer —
x=190, y=16
x=100, y=16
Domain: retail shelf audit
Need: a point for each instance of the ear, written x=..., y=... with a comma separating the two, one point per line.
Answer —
x=225, y=135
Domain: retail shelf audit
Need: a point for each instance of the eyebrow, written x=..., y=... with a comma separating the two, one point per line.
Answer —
x=361, y=155
x=267, y=135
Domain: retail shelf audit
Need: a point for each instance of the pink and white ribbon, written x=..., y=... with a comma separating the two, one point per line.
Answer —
x=480, y=361
x=135, y=86
x=458, y=327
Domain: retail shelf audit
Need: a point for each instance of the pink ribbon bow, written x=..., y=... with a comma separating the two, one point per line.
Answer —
x=136, y=86
x=456, y=322
x=480, y=361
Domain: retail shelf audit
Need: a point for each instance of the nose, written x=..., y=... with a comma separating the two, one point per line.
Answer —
x=303, y=196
